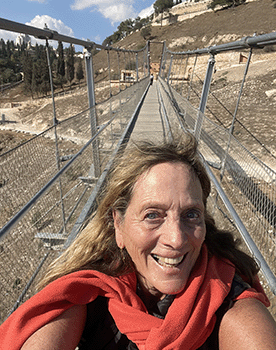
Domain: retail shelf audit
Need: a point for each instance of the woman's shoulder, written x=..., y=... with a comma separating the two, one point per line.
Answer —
x=247, y=325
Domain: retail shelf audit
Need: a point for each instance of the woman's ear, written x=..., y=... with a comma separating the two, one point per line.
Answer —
x=117, y=218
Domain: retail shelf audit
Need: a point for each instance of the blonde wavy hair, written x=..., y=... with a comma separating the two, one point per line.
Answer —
x=95, y=248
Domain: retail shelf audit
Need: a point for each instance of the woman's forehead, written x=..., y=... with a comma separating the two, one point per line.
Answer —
x=165, y=174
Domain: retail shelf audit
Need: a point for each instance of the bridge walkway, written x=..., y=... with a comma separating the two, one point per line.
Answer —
x=149, y=124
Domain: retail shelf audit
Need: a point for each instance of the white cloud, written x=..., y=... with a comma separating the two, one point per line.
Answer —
x=83, y=4
x=6, y=35
x=53, y=24
x=115, y=11
x=39, y=22
x=146, y=12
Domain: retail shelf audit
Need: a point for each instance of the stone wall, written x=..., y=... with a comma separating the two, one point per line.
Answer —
x=183, y=11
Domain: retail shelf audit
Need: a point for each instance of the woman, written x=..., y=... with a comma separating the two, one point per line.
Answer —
x=150, y=271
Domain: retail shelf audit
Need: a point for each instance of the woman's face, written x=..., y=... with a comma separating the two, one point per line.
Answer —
x=163, y=228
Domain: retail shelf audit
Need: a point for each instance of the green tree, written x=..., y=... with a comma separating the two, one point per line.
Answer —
x=40, y=72
x=79, y=72
x=70, y=64
x=146, y=32
x=161, y=6
x=3, y=51
x=60, y=65
x=139, y=23
x=10, y=62
x=216, y=3
x=126, y=27
x=112, y=39
x=28, y=73
x=8, y=48
x=108, y=41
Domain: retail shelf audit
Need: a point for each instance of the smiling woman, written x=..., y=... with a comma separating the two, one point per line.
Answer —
x=163, y=228
x=150, y=270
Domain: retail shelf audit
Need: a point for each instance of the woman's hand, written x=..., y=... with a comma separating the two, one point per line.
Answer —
x=63, y=333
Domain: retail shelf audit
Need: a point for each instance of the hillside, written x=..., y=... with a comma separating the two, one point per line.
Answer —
x=211, y=28
x=207, y=29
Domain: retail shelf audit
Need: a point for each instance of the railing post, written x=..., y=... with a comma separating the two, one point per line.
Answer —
x=231, y=130
x=204, y=96
x=119, y=75
x=92, y=107
x=240, y=93
x=148, y=56
x=55, y=122
x=162, y=59
x=185, y=69
x=137, y=68
x=191, y=80
x=169, y=72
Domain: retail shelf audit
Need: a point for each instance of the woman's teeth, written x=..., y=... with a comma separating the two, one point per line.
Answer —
x=168, y=262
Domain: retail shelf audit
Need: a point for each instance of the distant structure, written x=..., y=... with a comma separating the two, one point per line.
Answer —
x=185, y=10
x=23, y=39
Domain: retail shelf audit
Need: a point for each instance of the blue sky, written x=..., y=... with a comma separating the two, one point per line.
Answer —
x=83, y=19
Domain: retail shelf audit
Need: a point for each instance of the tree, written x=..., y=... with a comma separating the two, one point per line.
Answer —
x=126, y=27
x=40, y=74
x=216, y=3
x=107, y=41
x=146, y=32
x=79, y=72
x=139, y=23
x=60, y=65
x=161, y=6
x=3, y=51
x=112, y=39
x=28, y=73
x=70, y=64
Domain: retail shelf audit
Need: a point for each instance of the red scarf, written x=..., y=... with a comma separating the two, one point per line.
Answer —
x=188, y=323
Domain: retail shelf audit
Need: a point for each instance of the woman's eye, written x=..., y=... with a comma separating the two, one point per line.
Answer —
x=193, y=214
x=152, y=216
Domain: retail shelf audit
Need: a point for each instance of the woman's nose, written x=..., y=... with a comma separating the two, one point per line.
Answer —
x=173, y=234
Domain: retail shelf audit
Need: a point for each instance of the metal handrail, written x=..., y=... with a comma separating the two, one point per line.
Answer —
x=258, y=42
x=49, y=34
x=23, y=211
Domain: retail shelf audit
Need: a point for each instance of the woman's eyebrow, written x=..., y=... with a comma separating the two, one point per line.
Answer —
x=153, y=204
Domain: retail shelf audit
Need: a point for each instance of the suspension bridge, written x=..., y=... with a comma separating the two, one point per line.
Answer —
x=49, y=184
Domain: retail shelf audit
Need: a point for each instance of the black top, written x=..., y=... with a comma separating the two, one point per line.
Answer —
x=101, y=332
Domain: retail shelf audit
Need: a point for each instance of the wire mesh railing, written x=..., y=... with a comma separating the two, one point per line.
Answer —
x=222, y=96
x=26, y=169
x=46, y=181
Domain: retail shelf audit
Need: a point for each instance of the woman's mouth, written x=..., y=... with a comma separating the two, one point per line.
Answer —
x=168, y=262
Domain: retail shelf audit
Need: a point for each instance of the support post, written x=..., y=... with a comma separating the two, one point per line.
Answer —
x=162, y=59
x=137, y=68
x=204, y=96
x=231, y=130
x=182, y=83
x=92, y=108
x=55, y=122
x=240, y=93
x=170, y=68
x=148, y=56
